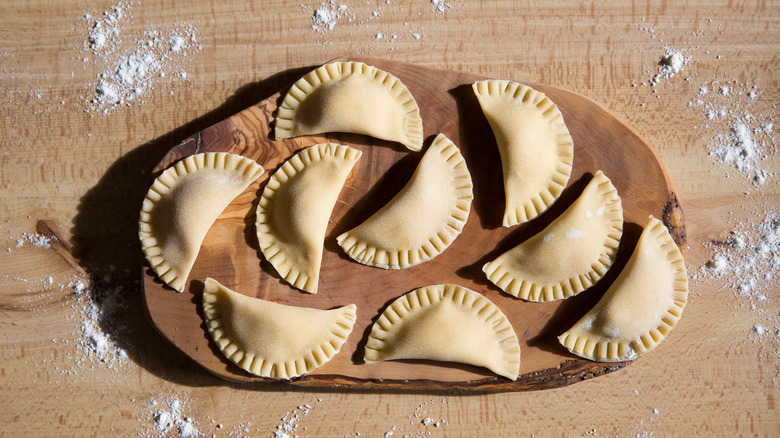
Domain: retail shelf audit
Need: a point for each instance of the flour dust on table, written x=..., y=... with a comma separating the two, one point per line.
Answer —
x=737, y=128
x=384, y=25
x=132, y=65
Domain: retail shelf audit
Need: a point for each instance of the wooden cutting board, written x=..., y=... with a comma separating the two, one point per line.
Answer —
x=447, y=104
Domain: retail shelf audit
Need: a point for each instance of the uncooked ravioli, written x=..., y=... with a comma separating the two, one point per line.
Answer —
x=446, y=323
x=423, y=219
x=535, y=146
x=640, y=308
x=571, y=254
x=293, y=212
x=273, y=340
x=182, y=204
x=350, y=97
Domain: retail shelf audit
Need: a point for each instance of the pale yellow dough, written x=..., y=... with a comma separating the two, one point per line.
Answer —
x=423, y=219
x=182, y=204
x=273, y=340
x=571, y=254
x=640, y=308
x=294, y=210
x=535, y=146
x=350, y=97
x=446, y=323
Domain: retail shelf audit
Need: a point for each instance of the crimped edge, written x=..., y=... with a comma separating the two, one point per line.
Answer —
x=268, y=243
x=604, y=351
x=501, y=275
x=525, y=95
x=163, y=184
x=475, y=303
x=284, y=126
x=443, y=237
x=258, y=366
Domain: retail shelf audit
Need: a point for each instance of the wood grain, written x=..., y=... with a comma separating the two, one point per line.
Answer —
x=229, y=252
x=85, y=173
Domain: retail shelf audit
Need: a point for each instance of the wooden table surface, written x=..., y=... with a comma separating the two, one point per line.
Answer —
x=76, y=170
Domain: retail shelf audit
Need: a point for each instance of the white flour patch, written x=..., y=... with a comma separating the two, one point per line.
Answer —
x=740, y=128
x=440, y=5
x=747, y=260
x=758, y=329
x=671, y=63
x=384, y=25
x=166, y=417
x=98, y=311
x=744, y=148
x=574, y=233
x=288, y=428
x=34, y=239
x=105, y=29
x=326, y=15
x=641, y=427
x=425, y=418
x=131, y=66
x=736, y=133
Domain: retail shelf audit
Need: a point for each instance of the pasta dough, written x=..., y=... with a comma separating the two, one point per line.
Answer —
x=446, y=323
x=273, y=340
x=350, y=97
x=535, y=146
x=571, y=254
x=293, y=212
x=183, y=203
x=640, y=308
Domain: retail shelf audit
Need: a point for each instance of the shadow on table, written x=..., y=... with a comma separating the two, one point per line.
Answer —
x=105, y=240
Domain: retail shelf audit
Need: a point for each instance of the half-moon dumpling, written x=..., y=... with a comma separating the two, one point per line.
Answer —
x=273, y=340
x=571, y=254
x=535, y=146
x=182, y=204
x=293, y=212
x=423, y=219
x=446, y=323
x=640, y=308
x=350, y=97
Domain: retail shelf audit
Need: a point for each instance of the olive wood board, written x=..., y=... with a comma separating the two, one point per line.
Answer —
x=447, y=103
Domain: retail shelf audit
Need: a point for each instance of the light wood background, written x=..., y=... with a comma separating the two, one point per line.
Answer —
x=84, y=173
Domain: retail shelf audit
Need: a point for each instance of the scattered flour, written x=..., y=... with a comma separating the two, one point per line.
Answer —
x=748, y=258
x=421, y=420
x=640, y=428
x=758, y=329
x=34, y=239
x=746, y=262
x=743, y=148
x=132, y=68
x=327, y=14
x=737, y=148
x=106, y=27
x=379, y=25
x=671, y=63
x=440, y=5
x=736, y=130
x=741, y=138
x=288, y=428
x=168, y=419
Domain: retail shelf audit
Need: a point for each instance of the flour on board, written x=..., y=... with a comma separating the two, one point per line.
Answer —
x=168, y=419
x=737, y=135
x=671, y=63
x=134, y=65
x=288, y=428
x=379, y=24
